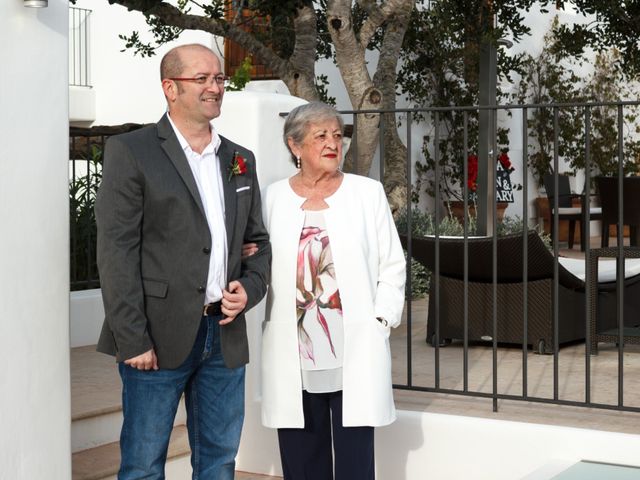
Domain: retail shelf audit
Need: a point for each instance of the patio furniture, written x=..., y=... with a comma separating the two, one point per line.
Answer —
x=631, y=330
x=608, y=190
x=567, y=210
x=572, y=318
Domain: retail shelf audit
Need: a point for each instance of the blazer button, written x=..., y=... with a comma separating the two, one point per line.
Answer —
x=206, y=250
x=201, y=289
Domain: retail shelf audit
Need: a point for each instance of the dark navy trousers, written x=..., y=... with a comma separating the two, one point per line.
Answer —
x=307, y=453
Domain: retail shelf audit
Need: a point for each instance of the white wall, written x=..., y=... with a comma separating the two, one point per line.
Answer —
x=252, y=119
x=86, y=315
x=34, y=258
x=422, y=446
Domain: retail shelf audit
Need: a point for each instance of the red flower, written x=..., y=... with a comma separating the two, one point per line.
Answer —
x=503, y=158
x=238, y=165
x=472, y=166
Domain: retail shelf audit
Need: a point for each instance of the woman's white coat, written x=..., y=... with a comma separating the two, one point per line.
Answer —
x=370, y=272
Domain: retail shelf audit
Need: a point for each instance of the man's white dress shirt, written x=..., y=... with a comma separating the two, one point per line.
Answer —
x=206, y=171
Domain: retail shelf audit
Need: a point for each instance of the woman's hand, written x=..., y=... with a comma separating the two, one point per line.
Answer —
x=248, y=249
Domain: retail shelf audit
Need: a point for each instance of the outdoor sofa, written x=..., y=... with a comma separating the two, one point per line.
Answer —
x=572, y=319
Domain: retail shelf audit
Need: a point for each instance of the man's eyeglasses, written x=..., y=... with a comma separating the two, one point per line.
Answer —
x=220, y=79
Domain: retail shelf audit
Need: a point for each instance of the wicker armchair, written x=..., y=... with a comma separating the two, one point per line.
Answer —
x=572, y=319
x=608, y=189
x=608, y=294
x=566, y=210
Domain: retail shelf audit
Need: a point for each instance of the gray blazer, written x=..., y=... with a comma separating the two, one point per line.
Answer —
x=154, y=245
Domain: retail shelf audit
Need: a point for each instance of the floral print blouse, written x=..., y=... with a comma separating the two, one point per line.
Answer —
x=319, y=310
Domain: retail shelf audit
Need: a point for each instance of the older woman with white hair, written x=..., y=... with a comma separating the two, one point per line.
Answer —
x=337, y=287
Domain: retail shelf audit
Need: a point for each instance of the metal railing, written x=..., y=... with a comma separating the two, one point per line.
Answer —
x=624, y=334
x=79, y=35
x=86, y=146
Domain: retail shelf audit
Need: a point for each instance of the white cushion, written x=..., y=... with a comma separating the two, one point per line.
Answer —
x=606, y=268
x=577, y=210
x=569, y=210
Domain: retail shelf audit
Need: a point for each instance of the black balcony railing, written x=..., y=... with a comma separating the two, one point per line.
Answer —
x=79, y=30
x=507, y=290
x=86, y=146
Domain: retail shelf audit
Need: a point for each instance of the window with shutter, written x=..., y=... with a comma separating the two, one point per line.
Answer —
x=234, y=54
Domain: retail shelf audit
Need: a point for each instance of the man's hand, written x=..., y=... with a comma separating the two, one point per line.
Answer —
x=234, y=300
x=145, y=361
x=248, y=249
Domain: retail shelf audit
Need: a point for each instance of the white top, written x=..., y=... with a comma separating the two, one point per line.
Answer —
x=319, y=310
x=206, y=172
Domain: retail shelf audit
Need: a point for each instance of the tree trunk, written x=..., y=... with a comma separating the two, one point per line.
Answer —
x=360, y=89
x=396, y=158
x=298, y=73
x=395, y=172
x=366, y=93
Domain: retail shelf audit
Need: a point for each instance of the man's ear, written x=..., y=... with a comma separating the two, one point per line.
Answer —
x=169, y=87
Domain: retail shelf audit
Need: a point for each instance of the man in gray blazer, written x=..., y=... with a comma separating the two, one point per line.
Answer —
x=176, y=204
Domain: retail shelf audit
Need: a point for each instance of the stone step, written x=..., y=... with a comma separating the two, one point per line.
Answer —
x=101, y=463
x=96, y=414
x=254, y=476
x=96, y=408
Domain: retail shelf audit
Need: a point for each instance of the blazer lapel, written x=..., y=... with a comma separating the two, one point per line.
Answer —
x=225, y=155
x=174, y=151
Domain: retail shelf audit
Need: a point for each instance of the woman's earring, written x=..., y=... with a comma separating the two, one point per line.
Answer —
x=298, y=163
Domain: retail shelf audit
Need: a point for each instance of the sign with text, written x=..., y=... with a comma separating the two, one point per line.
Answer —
x=504, y=189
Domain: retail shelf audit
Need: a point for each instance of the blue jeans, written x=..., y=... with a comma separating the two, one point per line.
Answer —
x=214, y=397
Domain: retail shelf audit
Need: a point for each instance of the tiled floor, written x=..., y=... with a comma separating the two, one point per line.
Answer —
x=540, y=379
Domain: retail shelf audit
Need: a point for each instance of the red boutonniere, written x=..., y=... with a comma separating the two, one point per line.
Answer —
x=238, y=165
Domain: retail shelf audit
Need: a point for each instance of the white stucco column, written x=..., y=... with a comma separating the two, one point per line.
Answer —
x=252, y=119
x=34, y=272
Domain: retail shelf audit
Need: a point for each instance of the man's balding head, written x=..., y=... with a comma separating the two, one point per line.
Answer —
x=172, y=65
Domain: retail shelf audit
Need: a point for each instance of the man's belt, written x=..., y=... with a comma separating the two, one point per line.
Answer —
x=212, y=309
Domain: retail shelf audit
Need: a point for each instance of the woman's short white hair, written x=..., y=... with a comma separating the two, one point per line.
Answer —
x=297, y=123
